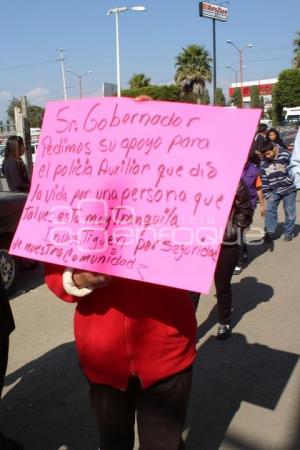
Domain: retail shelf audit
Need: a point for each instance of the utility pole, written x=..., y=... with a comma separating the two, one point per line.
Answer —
x=79, y=79
x=27, y=135
x=214, y=12
x=214, y=62
x=23, y=130
x=62, y=62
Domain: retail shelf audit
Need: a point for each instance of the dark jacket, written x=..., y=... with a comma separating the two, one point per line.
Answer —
x=240, y=216
x=7, y=324
x=16, y=175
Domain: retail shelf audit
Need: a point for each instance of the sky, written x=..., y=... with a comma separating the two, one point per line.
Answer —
x=32, y=31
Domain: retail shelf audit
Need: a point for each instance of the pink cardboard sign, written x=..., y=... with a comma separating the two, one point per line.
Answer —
x=140, y=190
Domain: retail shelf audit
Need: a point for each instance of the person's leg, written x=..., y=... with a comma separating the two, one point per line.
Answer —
x=289, y=205
x=161, y=411
x=4, y=345
x=115, y=415
x=227, y=261
x=5, y=442
x=195, y=297
x=271, y=218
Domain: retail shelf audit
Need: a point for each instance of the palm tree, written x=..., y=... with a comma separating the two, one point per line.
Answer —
x=296, y=42
x=139, y=80
x=193, y=70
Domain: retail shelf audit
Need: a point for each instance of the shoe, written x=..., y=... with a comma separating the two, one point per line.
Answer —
x=237, y=270
x=224, y=332
x=245, y=255
x=269, y=237
x=288, y=237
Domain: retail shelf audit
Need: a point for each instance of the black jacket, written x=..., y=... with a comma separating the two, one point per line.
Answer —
x=7, y=324
x=16, y=175
x=240, y=216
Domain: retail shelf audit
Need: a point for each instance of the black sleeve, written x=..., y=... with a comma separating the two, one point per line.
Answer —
x=243, y=212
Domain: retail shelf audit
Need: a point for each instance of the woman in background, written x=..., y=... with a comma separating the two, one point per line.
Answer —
x=13, y=166
x=273, y=135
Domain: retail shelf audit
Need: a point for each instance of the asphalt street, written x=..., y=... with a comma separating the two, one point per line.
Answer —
x=245, y=393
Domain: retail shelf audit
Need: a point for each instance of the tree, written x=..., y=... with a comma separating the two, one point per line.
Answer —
x=193, y=70
x=254, y=102
x=219, y=97
x=296, y=59
x=170, y=93
x=205, y=99
x=35, y=113
x=35, y=116
x=261, y=102
x=139, y=80
x=286, y=92
x=14, y=103
x=237, y=98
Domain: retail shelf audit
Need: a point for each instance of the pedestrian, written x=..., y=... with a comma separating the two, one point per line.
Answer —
x=253, y=182
x=13, y=166
x=7, y=325
x=277, y=186
x=240, y=218
x=294, y=167
x=261, y=136
x=273, y=135
x=136, y=346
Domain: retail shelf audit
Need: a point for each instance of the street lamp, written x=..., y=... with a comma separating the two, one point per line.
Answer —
x=116, y=12
x=80, y=79
x=235, y=71
x=240, y=50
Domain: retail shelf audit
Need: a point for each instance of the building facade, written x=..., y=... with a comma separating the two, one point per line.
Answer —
x=265, y=88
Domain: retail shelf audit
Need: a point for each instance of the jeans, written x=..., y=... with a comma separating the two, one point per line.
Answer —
x=289, y=206
x=160, y=411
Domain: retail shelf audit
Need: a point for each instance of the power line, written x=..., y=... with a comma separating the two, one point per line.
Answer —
x=29, y=65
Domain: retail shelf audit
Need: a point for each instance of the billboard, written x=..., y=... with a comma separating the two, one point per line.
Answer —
x=109, y=89
x=213, y=11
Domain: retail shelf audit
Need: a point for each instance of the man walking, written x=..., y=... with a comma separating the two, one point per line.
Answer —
x=277, y=186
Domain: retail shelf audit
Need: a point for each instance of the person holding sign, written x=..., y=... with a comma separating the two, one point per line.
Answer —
x=136, y=345
x=112, y=183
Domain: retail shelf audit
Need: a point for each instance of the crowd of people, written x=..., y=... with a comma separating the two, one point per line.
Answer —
x=136, y=341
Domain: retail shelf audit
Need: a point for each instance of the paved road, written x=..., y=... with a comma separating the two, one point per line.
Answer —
x=245, y=390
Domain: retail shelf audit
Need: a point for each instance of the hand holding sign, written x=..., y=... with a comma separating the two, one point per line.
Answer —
x=83, y=279
x=140, y=190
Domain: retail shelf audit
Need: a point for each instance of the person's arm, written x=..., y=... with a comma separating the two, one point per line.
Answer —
x=260, y=195
x=265, y=184
x=243, y=212
x=73, y=285
x=261, y=199
x=294, y=167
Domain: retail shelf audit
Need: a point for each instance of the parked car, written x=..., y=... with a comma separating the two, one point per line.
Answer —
x=11, y=207
x=289, y=137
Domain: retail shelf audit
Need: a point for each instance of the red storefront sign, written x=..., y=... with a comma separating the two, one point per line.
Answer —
x=263, y=89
